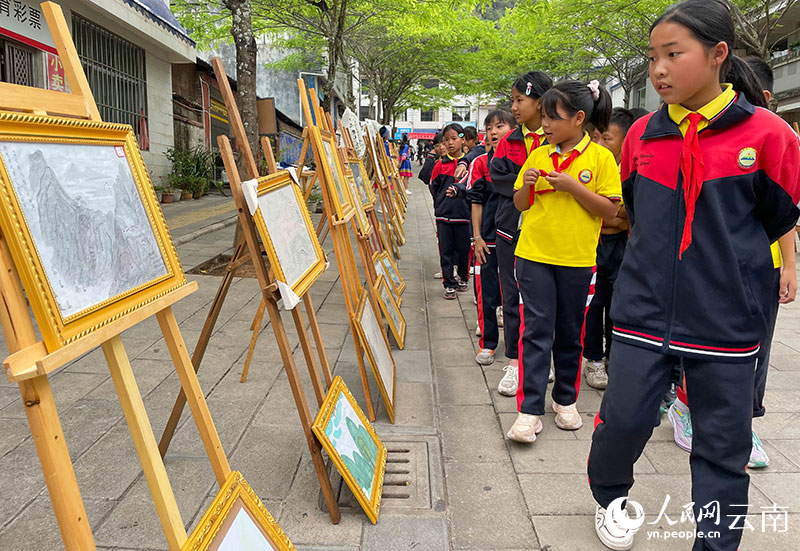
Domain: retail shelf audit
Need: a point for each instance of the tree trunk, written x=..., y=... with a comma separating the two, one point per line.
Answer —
x=327, y=89
x=246, y=51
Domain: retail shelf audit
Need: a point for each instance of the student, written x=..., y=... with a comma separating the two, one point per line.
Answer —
x=404, y=160
x=613, y=238
x=784, y=279
x=564, y=190
x=474, y=150
x=452, y=214
x=433, y=156
x=509, y=156
x=709, y=182
x=471, y=140
x=483, y=200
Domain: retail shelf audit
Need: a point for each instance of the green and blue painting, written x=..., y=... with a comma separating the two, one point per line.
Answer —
x=353, y=443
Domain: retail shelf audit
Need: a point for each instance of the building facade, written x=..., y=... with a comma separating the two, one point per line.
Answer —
x=127, y=49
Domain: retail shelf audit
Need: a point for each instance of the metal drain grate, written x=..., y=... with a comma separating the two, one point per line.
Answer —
x=407, y=483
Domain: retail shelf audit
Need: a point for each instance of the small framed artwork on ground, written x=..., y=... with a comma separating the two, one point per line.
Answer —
x=376, y=345
x=391, y=271
x=363, y=186
x=353, y=446
x=237, y=521
x=329, y=166
x=81, y=219
x=391, y=311
x=285, y=227
x=380, y=270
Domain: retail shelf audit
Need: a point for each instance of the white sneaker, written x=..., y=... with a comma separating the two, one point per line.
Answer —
x=437, y=275
x=499, y=316
x=510, y=381
x=477, y=329
x=608, y=530
x=567, y=417
x=596, y=375
x=485, y=357
x=525, y=428
x=552, y=376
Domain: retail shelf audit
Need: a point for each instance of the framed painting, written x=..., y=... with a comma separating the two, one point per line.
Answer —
x=363, y=186
x=391, y=271
x=380, y=270
x=289, y=237
x=353, y=446
x=237, y=520
x=332, y=172
x=82, y=222
x=391, y=311
x=376, y=345
x=364, y=226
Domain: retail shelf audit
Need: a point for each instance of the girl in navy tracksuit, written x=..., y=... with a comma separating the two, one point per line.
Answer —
x=452, y=214
x=483, y=202
x=709, y=181
x=509, y=156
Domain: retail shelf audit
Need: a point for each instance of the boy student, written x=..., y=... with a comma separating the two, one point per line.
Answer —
x=613, y=238
x=483, y=200
x=452, y=214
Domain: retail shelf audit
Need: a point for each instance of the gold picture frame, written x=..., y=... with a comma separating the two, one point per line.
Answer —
x=391, y=310
x=380, y=271
x=290, y=240
x=392, y=272
x=376, y=345
x=82, y=222
x=364, y=226
x=237, y=516
x=363, y=469
x=363, y=185
x=329, y=166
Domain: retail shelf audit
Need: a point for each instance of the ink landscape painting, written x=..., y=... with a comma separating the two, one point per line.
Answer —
x=87, y=219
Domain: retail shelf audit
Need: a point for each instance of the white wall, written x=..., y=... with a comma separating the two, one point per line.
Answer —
x=159, y=115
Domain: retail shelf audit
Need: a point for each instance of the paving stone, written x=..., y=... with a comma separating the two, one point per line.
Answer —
x=392, y=533
x=413, y=366
x=21, y=480
x=780, y=488
x=462, y=386
x=268, y=458
x=482, y=498
x=414, y=404
x=469, y=433
x=557, y=494
x=12, y=433
x=100, y=473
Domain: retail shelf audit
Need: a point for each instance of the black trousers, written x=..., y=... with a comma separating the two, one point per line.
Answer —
x=554, y=303
x=610, y=250
x=638, y=379
x=509, y=294
x=487, y=289
x=454, y=245
x=762, y=359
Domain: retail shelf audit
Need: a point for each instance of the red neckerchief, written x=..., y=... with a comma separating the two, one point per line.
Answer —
x=574, y=154
x=693, y=170
x=535, y=140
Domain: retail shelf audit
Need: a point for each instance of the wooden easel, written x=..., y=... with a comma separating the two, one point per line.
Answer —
x=345, y=258
x=249, y=242
x=31, y=361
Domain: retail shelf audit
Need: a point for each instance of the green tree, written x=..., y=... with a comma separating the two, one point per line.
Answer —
x=758, y=20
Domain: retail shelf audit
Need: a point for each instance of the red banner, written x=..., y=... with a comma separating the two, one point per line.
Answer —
x=55, y=73
x=421, y=135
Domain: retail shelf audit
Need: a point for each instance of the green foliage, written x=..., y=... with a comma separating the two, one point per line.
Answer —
x=192, y=169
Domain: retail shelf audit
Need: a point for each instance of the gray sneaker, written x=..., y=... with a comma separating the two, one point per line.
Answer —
x=510, y=381
x=485, y=357
x=525, y=428
x=596, y=374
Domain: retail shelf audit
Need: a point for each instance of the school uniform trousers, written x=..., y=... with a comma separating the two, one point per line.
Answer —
x=610, y=251
x=487, y=289
x=506, y=245
x=554, y=304
x=721, y=443
x=454, y=244
x=762, y=359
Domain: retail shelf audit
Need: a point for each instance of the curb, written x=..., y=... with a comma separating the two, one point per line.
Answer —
x=182, y=240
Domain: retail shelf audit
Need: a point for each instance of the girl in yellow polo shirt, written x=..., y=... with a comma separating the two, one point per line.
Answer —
x=564, y=190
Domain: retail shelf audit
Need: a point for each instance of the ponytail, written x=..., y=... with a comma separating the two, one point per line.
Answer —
x=710, y=22
x=573, y=96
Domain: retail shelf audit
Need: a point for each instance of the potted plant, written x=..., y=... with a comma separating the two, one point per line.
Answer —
x=187, y=193
x=168, y=196
x=159, y=192
x=192, y=169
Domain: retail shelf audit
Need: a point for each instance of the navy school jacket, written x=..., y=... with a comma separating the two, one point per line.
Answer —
x=509, y=156
x=480, y=190
x=712, y=303
x=448, y=209
x=474, y=153
x=427, y=168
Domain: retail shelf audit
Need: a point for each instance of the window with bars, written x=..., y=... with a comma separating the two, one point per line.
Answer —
x=429, y=115
x=20, y=64
x=115, y=69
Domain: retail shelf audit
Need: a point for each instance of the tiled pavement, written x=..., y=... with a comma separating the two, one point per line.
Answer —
x=470, y=489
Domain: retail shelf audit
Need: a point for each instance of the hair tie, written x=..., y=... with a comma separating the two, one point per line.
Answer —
x=594, y=86
x=460, y=134
x=528, y=89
